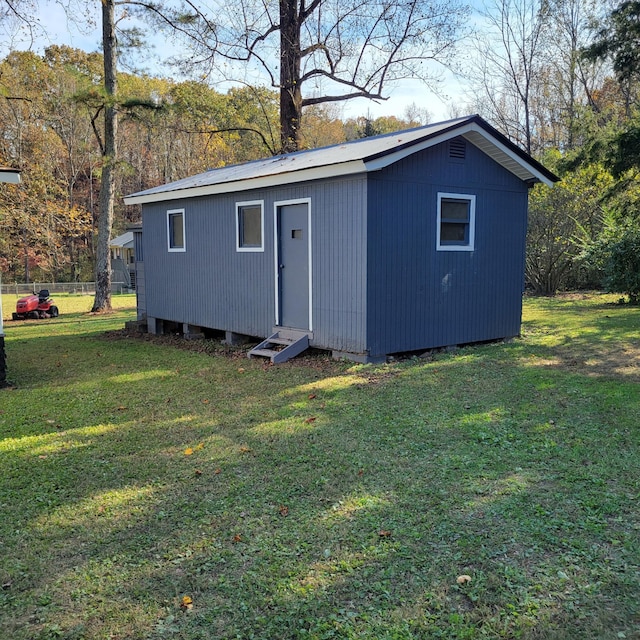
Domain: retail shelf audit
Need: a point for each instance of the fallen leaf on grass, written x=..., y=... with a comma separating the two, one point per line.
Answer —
x=186, y=604
x=283, y=510
x=463, y=579
x=189, y=451
x=6, y=585
x=245, y=449
x=310, y=420
x=312, y=396
x=360, y=472
x=205, y=401
x=384, y=533
x=217, y=471
x=198, y=472
x=121, y=408
x=237, y=538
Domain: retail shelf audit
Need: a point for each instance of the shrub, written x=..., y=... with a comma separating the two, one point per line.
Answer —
x=622, y=265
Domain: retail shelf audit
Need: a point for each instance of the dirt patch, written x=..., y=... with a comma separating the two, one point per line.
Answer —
x=621, y=361
x=313, y=358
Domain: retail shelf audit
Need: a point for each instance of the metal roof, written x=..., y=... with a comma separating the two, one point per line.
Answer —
x=359, y=156
x=124, y=241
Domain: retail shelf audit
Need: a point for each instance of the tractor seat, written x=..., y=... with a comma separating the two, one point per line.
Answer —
x=43, y=295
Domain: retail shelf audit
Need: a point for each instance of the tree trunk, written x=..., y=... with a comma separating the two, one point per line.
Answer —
x=102, y=301
x=290, y=91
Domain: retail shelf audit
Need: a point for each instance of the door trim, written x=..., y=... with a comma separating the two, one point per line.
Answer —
x=276, y=252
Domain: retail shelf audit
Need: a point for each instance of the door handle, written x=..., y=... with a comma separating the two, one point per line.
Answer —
x=280, y=266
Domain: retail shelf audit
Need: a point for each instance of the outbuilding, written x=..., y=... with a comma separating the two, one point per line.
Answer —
x=123, y=260
x=396, y=243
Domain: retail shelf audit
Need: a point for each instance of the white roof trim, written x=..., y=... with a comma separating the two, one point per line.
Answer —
x=504, y=155
x=303, y=175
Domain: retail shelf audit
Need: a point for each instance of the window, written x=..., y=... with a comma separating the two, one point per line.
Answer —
x=175, y=230
x=249, y=226
x=456, y=222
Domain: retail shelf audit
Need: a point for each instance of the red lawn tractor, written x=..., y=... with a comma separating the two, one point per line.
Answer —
x=36, y=306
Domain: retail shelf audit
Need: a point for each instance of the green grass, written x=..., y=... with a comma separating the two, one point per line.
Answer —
x=321, y=499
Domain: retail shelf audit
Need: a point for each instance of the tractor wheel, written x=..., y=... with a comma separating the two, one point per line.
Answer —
x=53, y=311
x=34, y=314
x=15, y=316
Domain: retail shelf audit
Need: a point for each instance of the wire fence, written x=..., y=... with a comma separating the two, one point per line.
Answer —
x=79, y=288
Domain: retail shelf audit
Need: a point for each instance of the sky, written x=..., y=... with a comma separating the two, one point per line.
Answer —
x=59, y=29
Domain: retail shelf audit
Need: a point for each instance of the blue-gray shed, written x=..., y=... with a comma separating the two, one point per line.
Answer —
x=397, y=243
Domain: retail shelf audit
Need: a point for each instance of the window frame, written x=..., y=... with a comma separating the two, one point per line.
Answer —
x=176, y=249
x=470, y=244
x=249, y=248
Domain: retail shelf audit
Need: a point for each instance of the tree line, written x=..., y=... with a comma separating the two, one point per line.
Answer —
x=558, y=77
x=50, y=106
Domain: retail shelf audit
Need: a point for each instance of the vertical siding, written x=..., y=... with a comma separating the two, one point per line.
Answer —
x=378, y=284
x=212, y=285
x=141, y=302
x=338, y=217
x=421, y=298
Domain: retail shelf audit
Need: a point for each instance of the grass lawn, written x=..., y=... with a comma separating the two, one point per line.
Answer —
x=153, y=489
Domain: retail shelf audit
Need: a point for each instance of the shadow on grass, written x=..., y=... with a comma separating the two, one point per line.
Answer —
x=315, y=502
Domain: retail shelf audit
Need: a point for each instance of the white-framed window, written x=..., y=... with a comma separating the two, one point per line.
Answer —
x=175, y=230
x=456, y=222
x=250, y=226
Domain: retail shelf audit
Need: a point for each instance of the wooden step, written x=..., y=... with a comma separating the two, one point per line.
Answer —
x=283, y=341
x=287, y=347
x=267, y=353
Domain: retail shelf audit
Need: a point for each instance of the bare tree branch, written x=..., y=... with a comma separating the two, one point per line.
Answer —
x=361, y=46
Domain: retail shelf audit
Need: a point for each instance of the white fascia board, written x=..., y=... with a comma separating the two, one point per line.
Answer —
x=514, y=157
x=470, y=128
x=261, y=182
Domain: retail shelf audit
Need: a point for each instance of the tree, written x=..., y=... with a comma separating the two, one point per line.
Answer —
x=508, y=63
x=43, y=220
x=16, y=19
x=317, y=51
x=562, y=220
x=108, y=147
x=571, y=80
x=619, y=40
x=622, y=266
x=72, y=72
x=615, y=254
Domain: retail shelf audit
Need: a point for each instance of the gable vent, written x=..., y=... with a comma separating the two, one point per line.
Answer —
x=457, y=148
